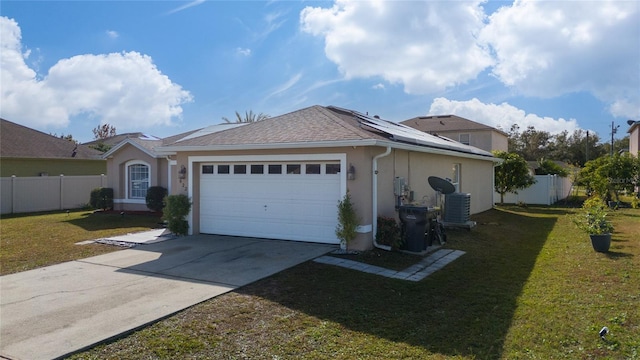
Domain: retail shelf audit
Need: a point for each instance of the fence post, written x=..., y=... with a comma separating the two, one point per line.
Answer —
x=61, y=191
x=13, y=194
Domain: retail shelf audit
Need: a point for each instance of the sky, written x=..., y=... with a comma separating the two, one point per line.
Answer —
x=167, y=67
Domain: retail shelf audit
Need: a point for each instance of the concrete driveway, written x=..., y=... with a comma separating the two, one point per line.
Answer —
x=56, y=310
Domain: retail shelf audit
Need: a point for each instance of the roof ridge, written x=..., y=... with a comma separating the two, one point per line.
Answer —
x=329, y=111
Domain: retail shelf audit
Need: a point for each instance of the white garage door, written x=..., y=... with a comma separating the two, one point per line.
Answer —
x=274, y=200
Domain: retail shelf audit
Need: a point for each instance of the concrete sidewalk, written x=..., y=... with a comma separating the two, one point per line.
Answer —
x=56, y=310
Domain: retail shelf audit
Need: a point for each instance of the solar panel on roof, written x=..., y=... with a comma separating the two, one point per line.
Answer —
x=404, y=133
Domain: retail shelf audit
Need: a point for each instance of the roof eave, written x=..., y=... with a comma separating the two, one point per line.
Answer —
x=329, y=144
x=435, y=150
x=292, y=145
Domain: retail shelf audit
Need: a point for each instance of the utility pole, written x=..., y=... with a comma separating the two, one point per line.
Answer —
x=614, y=130
x=586, y=150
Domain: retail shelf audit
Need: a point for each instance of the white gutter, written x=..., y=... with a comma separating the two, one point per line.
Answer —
x=374, y=198
x=171, y=150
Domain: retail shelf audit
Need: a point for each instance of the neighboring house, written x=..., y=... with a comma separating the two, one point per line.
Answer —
x=282, y=178
x=634, y=137
x=27, y=152
x=463, y=130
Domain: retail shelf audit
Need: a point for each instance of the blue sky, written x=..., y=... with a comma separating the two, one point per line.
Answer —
x=164, y=67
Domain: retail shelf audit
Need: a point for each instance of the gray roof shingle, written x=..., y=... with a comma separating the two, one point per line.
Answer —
x=312, y=124
x=17, y=141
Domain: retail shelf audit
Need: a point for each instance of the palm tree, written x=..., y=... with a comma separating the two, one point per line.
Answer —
x=249, y=117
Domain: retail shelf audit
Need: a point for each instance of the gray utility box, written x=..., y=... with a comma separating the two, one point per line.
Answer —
x=457, y=208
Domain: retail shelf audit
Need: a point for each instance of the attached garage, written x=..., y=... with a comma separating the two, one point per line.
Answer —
x=283, y=197
x=282, y=178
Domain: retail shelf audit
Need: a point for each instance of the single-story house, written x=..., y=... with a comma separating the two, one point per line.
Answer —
x=26, y=152
x=283, y=177
x=463, y=130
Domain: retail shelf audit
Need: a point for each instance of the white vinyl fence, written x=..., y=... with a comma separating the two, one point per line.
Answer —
x=45, y=193
x=547, y=190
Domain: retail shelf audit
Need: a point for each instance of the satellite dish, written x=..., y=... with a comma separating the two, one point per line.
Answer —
x=441, y=185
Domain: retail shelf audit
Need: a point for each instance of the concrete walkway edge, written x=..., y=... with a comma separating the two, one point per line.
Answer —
x=416, y=272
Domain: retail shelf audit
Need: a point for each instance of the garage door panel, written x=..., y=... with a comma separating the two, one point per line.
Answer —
x=292, y=207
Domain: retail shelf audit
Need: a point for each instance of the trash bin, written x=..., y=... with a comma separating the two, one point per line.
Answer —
x=414, y=225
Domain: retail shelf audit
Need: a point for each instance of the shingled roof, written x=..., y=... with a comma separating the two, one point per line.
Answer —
x=146, y=143
x=17, y=141
x=312, y=124
x=320, y=126
x=446, y=123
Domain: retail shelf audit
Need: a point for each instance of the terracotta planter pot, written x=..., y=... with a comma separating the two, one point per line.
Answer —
x=600, y=242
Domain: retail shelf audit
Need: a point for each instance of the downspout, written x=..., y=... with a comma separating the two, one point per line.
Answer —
x=374, y=198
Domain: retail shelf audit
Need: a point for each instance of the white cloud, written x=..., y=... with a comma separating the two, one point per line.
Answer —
x=537, y=48
x=123, y=89
x=426, y=46
x=112, y=34
x=550, y=48
x=378, y=86
x=243, y=51
x=501, y=116
x=286, y=86
x=186, y=6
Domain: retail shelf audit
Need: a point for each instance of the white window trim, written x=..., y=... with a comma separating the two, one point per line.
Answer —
x=126, y=181
x=457, y=176
x=341, y=157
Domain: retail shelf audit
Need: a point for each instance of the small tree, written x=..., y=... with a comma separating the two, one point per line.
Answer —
x=103, y=131
x=609, y=175
x=155, y=198
x=175, y=211
x=548, y=167
x=512, y=175
x=347, y=221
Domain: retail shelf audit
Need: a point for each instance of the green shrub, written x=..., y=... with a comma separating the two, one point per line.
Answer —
x=176, y=209
x=388, y=232
x=101, y=198
x=592, y=218
x=155, y=198
x=347, y=220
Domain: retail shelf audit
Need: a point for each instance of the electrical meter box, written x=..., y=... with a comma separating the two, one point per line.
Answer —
x=399, y=185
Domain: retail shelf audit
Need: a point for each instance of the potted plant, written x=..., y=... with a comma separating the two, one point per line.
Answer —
x=347, y=222
x=592, y=219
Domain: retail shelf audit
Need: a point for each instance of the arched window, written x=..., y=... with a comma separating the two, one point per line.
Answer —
x=137, y=180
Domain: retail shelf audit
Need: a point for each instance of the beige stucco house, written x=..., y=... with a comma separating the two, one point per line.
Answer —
x=463, y=130
x=282, y=178
x=634, y=137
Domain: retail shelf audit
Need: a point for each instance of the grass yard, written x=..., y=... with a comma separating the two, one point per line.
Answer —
x=529, y=287
x=29, y=241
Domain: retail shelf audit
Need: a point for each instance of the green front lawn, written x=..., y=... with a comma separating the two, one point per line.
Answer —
x=29, y=241
x=528, y=287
